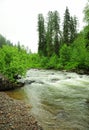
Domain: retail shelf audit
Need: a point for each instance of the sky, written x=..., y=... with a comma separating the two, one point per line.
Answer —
x=18, y=18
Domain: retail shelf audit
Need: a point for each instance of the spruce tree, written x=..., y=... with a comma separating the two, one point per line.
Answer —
x=56, y=29
x=49, y=34
x=75, y=25
x=73, y=28
x=86, y=13
x=41, y=33
x=2, y=41
x=86, y=19
x=69, y=28
x=66, y=27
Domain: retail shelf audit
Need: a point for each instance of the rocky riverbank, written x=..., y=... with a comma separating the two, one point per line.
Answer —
x=15, y=115
x=6, y=84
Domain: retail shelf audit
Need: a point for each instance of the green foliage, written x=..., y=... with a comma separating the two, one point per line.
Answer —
x=12, y=61
x=2, y=61
x=79, y=54
x=86, y=36
x=34, y=61
x=86, y=13
x=65, y=54
x=52, y=62
x=43, y=62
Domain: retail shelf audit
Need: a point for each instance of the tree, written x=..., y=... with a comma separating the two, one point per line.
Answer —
x=66, y=27
x=75, y=21
x=79, y=52
x=49, y=34
x=41, y=33
x=73, y=28
x=53, y=33
x=86, y=29
x=69, y=28
x=65, y=54
x=56, y=29
x=86, y=36
x=13, y=61
x=2, y=41
x=86, y=12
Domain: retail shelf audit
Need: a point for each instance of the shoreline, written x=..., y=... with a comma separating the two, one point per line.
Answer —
x=15, y=115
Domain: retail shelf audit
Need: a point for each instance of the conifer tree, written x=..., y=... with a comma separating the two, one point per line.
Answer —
x=69, y=28
x=73, y=29
x=75, y=25
x=2, y=41
x=56, y=29
x=41, y=33
x=49, y=34
x=66, y=27
x=86, y=12
x=86, y=19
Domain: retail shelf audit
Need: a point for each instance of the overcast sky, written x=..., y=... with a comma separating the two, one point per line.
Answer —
x=18, y=18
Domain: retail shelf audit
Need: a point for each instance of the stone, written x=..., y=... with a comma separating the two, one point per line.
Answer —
x=6, y=84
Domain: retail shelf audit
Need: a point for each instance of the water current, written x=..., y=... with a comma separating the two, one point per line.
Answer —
x=59, y=99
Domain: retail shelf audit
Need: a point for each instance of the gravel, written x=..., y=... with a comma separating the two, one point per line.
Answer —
x=15, y=115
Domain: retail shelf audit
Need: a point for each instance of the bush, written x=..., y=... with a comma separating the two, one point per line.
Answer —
x=13, y=62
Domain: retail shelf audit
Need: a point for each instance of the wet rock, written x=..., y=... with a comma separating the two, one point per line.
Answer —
x=54, y=80
x=80, y=76
x=62, y=114
x=87, y=101
x=29, y=81
x=6, y=84
x=68, y=77
x=52, y=73
x=16, y=76
x=39, y=82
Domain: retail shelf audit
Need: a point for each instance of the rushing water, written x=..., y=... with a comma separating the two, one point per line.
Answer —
x=58, y=99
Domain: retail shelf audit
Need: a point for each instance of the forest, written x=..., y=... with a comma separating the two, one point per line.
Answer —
x=59, y=47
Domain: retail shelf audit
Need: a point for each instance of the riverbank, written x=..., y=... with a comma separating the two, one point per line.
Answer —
x=15, y=115
x=6, y=84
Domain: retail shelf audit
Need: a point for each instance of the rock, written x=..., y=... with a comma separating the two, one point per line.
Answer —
x=30, y=81
x=62, y=115
x=87, y=101
x=17, y=76
x=39, y=82
x=26, y=81
x=54, y=80
x=6, y=84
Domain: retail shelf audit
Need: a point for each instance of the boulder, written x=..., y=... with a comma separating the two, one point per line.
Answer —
x=6, y=84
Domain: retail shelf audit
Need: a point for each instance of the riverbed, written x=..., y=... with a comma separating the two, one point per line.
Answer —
x=58, y=99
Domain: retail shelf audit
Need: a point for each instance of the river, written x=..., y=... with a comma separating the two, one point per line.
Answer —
x=58, y=98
